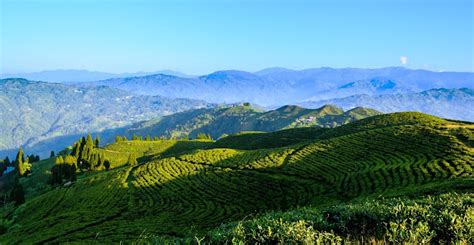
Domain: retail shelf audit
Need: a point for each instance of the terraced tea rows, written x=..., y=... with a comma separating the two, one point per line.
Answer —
x=82, y=206
x=394, y=157
x=186, y=188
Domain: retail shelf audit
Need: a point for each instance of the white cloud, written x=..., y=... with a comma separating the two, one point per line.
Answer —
x=403, y=60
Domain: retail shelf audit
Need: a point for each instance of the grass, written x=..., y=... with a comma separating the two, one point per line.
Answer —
x=269, y=187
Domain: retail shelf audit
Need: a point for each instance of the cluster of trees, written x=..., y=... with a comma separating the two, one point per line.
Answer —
x=64, y=169
x=22, y=167
x=21, y=164
x=119, y=138
x=200, y=136
x=82, y=157
x=203, y=136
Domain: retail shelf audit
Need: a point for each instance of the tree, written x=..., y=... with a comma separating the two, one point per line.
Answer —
x=134, y=137
x=89, y=141
x=7, y=161
x=69, y=170
x=118, y=139
x=59, y=160
x=107, y=164
x=20, y=158
x=148, y=138
x=76, y=150
x=52, y=154
x=203, y=136
x=97, y=141
x=132, y=160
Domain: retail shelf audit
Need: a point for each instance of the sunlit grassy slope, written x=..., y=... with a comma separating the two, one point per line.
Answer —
x=187, y=188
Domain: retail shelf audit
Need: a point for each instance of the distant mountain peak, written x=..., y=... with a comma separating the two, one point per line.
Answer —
x=378, y=83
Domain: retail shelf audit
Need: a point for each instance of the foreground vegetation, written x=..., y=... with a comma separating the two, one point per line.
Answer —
x=403, y=177
x=444, y=218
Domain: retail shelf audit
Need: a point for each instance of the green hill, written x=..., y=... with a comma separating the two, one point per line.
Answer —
x=230, y=120
x=402, y=177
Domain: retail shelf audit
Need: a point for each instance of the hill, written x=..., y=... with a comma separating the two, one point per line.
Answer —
x=277, y=87
x=447, y=103
x=234, y=119
x=32, y=112
x=336, y=184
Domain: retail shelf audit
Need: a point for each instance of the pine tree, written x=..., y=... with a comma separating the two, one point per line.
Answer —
x=7, y=161
x=97, y=141
x=52, y=154
x=75, y=150
x=118, y=139
x=19, y=162
x=59, y=160
x=89, y=141
x=148, y=138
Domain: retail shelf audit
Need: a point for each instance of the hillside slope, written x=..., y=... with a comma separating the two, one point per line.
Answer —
x=230, y=120
x=187, y=192
x=36, y=111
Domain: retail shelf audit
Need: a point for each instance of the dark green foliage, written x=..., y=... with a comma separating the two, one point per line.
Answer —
x=107, y=164
x=7, y=161
x=51, y=155
x=97, y=141
x=64, y=170
x=33, y=158
x=17, y=193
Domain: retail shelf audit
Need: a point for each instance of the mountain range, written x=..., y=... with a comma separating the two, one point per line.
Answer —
x=32, y=111
x=43, y=115
x=71, y=75
x=447, y=103
x=277, y=86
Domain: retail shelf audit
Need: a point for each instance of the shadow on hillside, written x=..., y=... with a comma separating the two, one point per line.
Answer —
x=191, y=202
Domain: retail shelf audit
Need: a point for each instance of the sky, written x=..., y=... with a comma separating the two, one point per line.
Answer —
x=198, y=37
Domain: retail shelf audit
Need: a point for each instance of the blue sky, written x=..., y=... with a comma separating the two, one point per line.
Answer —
x=198, y=37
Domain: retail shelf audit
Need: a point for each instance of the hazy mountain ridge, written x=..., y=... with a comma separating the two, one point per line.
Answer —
x=278, y=86
x=72, y=75
x=35, y=111
x=446, y=103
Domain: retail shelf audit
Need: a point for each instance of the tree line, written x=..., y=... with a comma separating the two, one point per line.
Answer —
x=82, y=157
